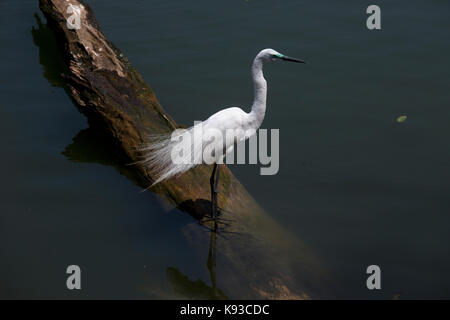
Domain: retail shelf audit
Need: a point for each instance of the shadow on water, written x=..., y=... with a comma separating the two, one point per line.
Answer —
x=266, y=262
x=49, y=54
x=94, y=145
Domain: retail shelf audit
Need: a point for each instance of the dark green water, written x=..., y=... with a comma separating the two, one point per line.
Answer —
x=357, y=186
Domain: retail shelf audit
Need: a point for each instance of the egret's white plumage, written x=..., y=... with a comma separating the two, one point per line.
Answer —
x=157, y=153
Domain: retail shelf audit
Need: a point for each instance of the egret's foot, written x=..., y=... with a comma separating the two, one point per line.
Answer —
x=212, y=218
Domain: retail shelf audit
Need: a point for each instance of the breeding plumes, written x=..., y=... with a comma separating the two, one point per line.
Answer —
x=170, y=155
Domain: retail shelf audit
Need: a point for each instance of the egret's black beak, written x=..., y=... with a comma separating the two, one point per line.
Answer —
x=286, y=58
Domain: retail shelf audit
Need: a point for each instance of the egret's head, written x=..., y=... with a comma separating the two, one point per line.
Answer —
x=270, y=55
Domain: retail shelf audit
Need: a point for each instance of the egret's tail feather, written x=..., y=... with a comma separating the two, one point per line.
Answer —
x=165, y=155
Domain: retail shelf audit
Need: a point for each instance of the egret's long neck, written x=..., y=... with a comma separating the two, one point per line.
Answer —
x=260, y=88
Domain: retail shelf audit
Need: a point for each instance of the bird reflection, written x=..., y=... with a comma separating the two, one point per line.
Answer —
x=212, y=259
x=198, y=289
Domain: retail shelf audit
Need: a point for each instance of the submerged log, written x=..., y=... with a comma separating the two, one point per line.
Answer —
x=259, y=259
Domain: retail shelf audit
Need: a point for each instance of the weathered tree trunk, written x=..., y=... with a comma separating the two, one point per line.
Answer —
x=258, y=255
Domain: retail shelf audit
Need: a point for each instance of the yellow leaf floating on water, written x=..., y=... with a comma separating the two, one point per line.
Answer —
x=401, y=119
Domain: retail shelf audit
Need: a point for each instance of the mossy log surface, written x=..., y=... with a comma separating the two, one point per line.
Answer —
x=256, y=257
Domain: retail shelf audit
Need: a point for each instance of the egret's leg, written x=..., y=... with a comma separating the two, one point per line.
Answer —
x=213, y=185
x=216, y=188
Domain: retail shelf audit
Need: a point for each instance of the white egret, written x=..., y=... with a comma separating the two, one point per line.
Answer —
x=158, y=152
